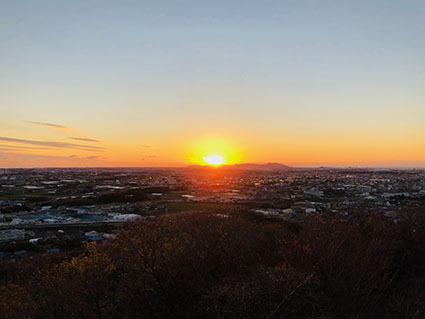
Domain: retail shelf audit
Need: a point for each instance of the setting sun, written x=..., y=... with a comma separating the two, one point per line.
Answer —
x=214, y=151
x=214, y=159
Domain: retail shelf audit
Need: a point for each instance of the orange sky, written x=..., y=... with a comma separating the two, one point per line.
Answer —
x=87, y=83
x=39, y=145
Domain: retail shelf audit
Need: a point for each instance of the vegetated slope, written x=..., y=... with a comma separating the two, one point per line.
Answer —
x=230, y=265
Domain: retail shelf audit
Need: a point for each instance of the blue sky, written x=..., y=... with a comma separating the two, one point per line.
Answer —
x=290, y=72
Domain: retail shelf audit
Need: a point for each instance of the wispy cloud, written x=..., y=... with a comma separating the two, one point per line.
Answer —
x=92, y=157
x=147, y=157
x=50, y=125
x=53, y=144
x=8, y=149
x=84, y=139
x=25, y=147
x=12, y=159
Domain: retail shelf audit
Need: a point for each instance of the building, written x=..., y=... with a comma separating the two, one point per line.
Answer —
x=11, y=234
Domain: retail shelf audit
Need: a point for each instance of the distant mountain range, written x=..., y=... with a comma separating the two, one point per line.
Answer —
x=263, y=167
x=251, y=166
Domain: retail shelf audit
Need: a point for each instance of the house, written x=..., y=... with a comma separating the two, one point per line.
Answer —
x=11, y=234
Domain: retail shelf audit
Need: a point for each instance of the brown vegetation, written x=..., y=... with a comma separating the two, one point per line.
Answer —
x=232, y=265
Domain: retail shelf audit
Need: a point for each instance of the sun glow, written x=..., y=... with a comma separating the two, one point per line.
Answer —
x=216, y=151
x=214, y=159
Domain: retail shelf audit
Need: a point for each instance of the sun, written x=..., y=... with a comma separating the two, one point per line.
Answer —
x=214, y=159
x=215, y=152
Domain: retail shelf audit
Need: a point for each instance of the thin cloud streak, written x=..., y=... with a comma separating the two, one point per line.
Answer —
x=25, y=147
x=53, y=144
x=8, y=149
x=41, y=156
x=147, y=157
x=84, y=139
x=92, y=157
x=48, y=125
x=14, y=160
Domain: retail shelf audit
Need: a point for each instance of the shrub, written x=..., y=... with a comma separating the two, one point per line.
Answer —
x=230, y=265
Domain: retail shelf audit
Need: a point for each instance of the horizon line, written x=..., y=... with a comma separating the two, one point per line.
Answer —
x=221, y=166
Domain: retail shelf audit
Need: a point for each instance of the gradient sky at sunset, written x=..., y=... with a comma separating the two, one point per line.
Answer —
x=164, y=83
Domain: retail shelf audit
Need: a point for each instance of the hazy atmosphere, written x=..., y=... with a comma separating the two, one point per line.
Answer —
x=167, y=83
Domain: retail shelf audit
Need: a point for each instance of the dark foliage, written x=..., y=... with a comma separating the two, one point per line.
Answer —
x=230, y=265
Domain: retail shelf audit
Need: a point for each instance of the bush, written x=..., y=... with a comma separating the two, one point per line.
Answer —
x=230, y=265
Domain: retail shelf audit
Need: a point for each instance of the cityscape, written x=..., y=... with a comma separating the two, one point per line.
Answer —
x=234, y=159
x=75, y=205
x=268, y=220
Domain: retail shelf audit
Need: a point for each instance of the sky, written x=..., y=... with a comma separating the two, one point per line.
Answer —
x=166, y=83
